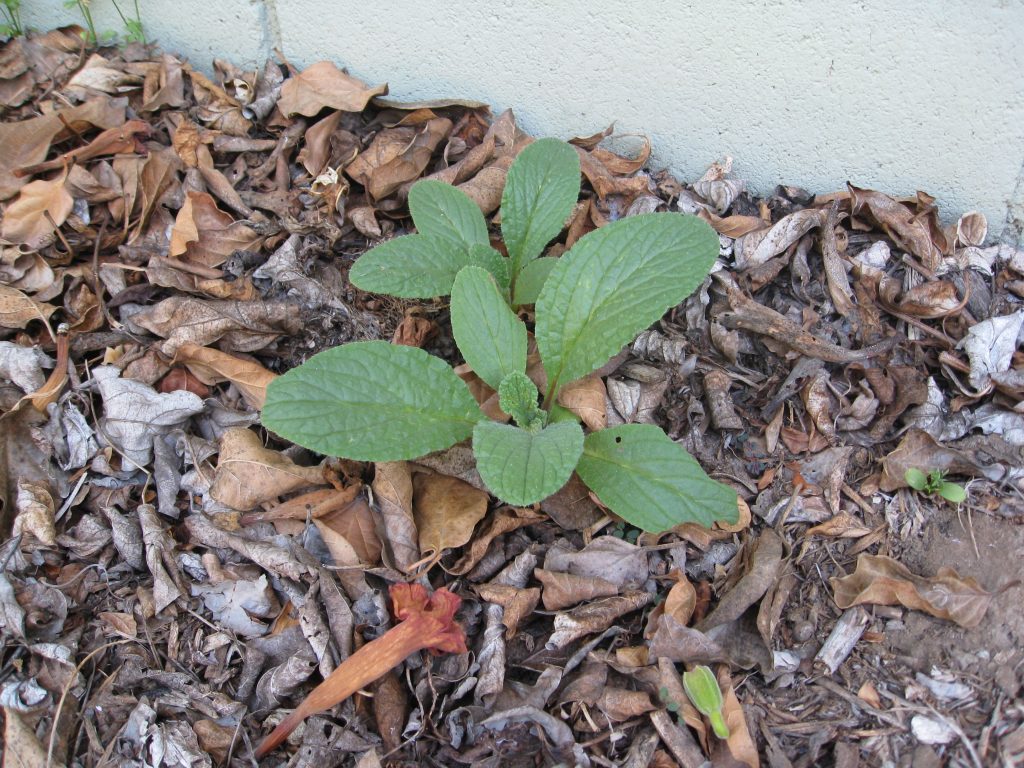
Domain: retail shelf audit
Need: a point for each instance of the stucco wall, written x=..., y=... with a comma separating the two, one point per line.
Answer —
x=898, y=96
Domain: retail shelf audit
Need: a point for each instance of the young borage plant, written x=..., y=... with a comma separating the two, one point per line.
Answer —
x=374, y=401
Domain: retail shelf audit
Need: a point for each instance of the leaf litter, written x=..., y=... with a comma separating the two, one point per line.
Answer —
x=175, y=580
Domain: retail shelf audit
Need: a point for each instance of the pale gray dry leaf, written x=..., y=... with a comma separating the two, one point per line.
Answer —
x=283, y=268
x=457, y=461
x=268, y=556
x=594, y=617
x=235, y=326
x=558, y=733
x=606, y=557
x=79, y=440
x=491, y=657
x=24, y=696
x=827, y=469
x=135, y=413
x=233, y=604
x=23, y=365
x=127, y=537
x=167, y=474
x=35, y=511
x=758, y=247
x=282, y=681
x=339, y=614
x=564, y=589
x=168, y=584
x=12, y=615
x=991, y=419
x=176, y=744
x=315, y=629
x=990, y=345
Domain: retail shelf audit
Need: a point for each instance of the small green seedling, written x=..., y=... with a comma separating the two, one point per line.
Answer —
x=702, y=689
x=374, y=401
x=935, y=483
x=133, y=30
x=10, y=15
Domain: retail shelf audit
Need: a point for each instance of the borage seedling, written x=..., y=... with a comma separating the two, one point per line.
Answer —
x=374, y=401
x=935, y=483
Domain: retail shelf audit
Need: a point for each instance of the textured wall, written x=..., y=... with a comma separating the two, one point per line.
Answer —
x=897, y=96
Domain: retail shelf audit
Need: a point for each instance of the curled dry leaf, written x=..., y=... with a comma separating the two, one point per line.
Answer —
x=392, y=491
x=586, y=398
x=761, y=574
x=564, y=589
x=919, y=450
x=39, y=210
x=205, y=235
x=593, y=617
x=248, y=474
x=35, y=513
x=740, y=745
x=518, y=603
x=972, y=229
x=446, y=511
x=501, y=521
x=899, y=222
x=355, y=523
x=880, y=580
x=211, y=366
x=323, y=85
x=397, y=156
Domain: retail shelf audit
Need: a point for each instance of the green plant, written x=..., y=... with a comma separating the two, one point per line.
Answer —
x=702, y=689
x=11, y=10
x=935, y=483
x=134, y=33
x=374, y=401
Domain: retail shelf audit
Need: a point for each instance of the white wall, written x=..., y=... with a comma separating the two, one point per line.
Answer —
x=899, y=96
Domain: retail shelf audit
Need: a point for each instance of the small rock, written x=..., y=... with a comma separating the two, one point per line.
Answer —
x=929, y=731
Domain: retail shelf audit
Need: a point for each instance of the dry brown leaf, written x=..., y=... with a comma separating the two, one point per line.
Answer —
x=586, y=398
x=323, y=85
x=28, y=142
x=740, y=745
x=414, y=331
x=446, y=511
x=121, y=140
x=316, y=149
x=592, y=617
x=240, y=326
x=680, y=601
x=203, y=234
x=485, y=189
x=501, y=521
x=880, y=580
x=248, y=474
x=931, y=300
x=355, y=523
x=899, y=222
x=765, y=563
x=164, y=86
x=211, y=366
x=843, y=525
x=564, y=589
x=972, y=229
x=397, y=156
x=17, y=310
x=39, y=210
x=919, y=450
x=733, y=226
x=759, y=247
x=392, y=491
x=621, y=704
x=21, y=746
x=121, y=623
x=518, y=603
x=216, y=108
x=307, y=506
x=35, y=513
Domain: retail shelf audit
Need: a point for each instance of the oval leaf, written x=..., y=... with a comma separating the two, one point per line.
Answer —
x=650, y=481
x=442, y=211
x=517, y=396
x=540, y=192
x=420, y=266
x=521, y=467
x=371, y=401
x=489, y=335
x=615, y=282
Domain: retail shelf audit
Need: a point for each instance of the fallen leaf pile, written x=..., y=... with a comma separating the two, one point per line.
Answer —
x=175, y=580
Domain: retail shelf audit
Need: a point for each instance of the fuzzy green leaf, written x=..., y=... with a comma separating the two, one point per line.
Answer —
x=916, y=479
x=485, y=256
x=521, y=467
x=614, y=283
x=420, y=266
x=490, y=336
x=517, y=396
x=650, y=481
x=531, y=280
x=541, y=189
x=953, y=493
x=442, y=211
x=371, y=401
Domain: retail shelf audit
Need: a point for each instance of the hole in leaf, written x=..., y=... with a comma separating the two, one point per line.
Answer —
x=618, y=439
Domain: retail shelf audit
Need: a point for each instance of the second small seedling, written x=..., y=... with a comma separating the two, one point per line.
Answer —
x=935, y=483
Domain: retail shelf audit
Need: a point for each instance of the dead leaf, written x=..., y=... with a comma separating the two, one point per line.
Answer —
x=501, y=521
x=205, y=235
x=621, y=704
x=564, y=589
x=35, y=512
x=121, y=623
x=606, y=557
x=323, y=85
x=39, y=210
x=248, y=473
x=17, y=310
x=931, y=300
x=990, y=345
x=898, y=222
x=595, y=616
x=397, y=156
x=843, y=525
x=740, y=745
x=880, y=580
x=765, y=562
x=211, y=366
x=681, y=601
x=446, y=511
x=356, y=524
x=392, y=491
x=586, y=398
x=518, y=603
x=919, y=450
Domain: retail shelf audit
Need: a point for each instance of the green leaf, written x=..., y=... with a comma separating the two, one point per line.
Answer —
x=541, y=189
x=491, y=338
x=517, y=396
x=615, y=282
x=650, y=481
x=916, y=479
x=421, y=266
x=371, y=401
x=442, y=211
x=531, y=280
x=953, y=493
x=521, y=467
